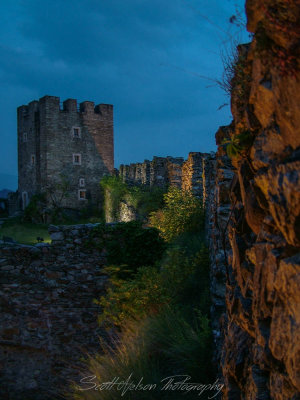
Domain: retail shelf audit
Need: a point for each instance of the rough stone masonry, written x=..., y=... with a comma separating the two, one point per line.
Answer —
x=63, y=152
x=48, y=316
x=255, y=236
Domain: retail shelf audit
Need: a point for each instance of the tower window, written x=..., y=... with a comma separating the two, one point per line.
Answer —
x=81, y=195
x=25, y=137
x=77, y=159
x=32, y=159
x=82, y=182
x=76, y=132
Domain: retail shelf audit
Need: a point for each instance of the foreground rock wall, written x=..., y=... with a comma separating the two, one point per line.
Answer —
x=48, y=318
x=258, y=209
x=218, y=215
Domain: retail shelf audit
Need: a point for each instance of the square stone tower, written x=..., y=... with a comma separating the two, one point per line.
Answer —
x=64, y=151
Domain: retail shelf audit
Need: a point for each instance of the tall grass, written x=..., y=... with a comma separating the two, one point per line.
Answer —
x=160, y=318
x=151, y=350
x=162, y=315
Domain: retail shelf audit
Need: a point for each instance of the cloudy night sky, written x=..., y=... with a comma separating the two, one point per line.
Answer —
x=146, y=57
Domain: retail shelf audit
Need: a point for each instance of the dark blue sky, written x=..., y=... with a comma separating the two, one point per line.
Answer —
x=142, y=56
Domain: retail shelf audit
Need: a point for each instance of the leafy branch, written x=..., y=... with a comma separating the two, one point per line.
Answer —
x=237, y=145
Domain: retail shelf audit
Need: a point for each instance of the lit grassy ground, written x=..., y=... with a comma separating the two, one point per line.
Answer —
x=24, y=232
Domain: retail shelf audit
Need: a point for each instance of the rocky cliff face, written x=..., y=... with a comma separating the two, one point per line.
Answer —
x=256, y=216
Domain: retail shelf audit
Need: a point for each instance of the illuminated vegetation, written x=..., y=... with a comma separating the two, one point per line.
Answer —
x=157, y=318
x=142, y=198
x=182, y=213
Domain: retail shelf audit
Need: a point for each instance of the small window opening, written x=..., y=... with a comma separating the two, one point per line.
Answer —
x=82, y=182
x=77, y=159
x=76, y=132
x=82, y=195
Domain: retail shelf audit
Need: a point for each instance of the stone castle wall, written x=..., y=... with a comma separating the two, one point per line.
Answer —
x=161, y=171
x=218, y=214
x=196, y=173
x=174, y=171
x=28, y=147
x=48, y=317
x=255, y=243
x=253, y=203
x=47, y=145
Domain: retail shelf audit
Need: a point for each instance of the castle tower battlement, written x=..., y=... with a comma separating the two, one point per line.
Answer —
x=64, y=145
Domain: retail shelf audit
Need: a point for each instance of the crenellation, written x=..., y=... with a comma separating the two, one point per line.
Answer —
x=70, y=105
x=87, y=107
x=49, y=103
x=104, y=109
x=172, y=171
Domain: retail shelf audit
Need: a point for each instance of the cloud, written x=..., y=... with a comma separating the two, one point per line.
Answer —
x=148, y=58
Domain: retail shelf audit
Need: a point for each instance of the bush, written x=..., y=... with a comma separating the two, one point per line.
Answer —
x=185, y=277
x=114, y=190
x=181, y=279
x=142, y=198
x=159, y=314
x=130, y=245
x=133, y=299
x=35, y=211
x=183, y=212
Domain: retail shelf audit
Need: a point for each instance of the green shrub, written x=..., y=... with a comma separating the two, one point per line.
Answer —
x=134, y=298
x=182, y=212
x=159, y=313
x=185, y=277
x=134, y=196
x=142, y=198
x=129, y=244
x=181, y=279
x=35, y=211
x=114, y=190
